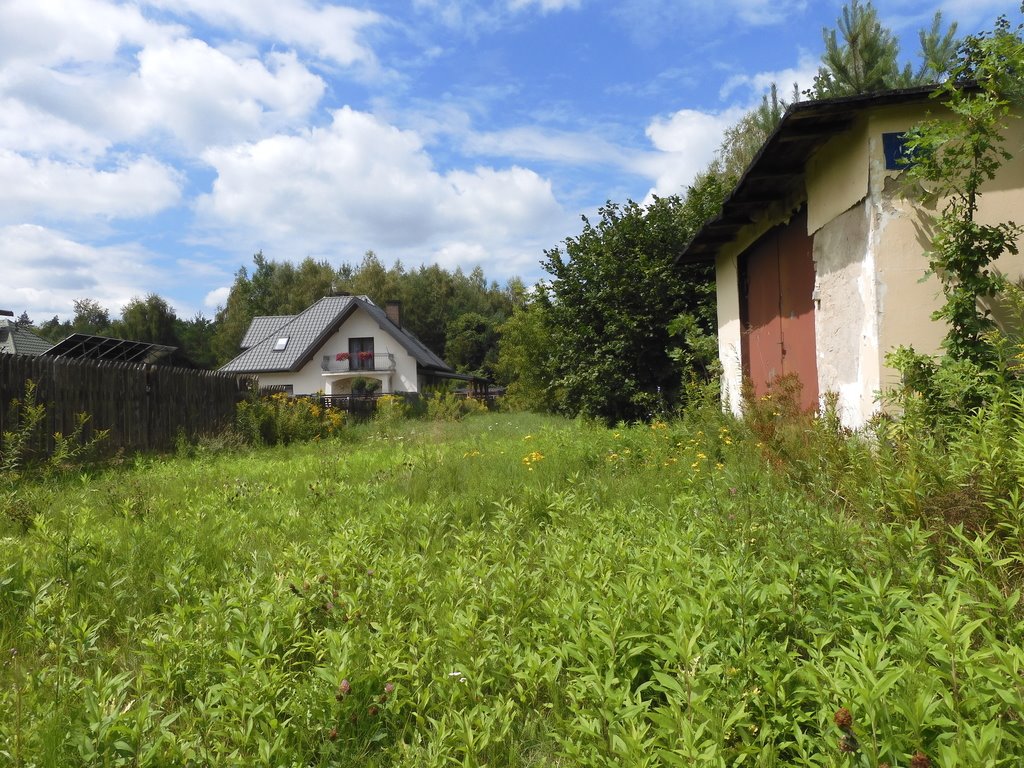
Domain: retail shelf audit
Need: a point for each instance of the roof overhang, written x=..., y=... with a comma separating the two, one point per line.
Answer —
x=777, y=171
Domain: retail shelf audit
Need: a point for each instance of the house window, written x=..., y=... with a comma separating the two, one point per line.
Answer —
x=898, y=155
x=280, y=344
x=360, y=353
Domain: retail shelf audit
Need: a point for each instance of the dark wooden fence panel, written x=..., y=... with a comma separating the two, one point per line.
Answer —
x=144, y=407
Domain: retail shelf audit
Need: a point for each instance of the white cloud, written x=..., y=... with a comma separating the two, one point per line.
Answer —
x=182, y=88
x=202, y=96
x=361, y=183
x=759, y=83
x=535, y=143
x=654, y=20
x=762, y=12
x=217, y=298
x=51, y=32
x=330, y=31
x=39, y=189
x=689, y=140
x=45, y=271
x=546, y=6
x=30, y=130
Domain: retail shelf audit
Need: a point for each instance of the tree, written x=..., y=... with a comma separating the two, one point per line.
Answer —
x=862, y=56
x=951, y=160
x=150, y=319
x=471, y=344
x=614, y=290
x=90, y=317
x=196, y=337
x=526, y=357
x=742, y=141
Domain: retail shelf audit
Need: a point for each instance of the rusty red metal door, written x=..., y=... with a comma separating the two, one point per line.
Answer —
x=777, y=310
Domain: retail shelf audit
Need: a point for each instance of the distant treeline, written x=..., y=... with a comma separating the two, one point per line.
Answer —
x=455, y=314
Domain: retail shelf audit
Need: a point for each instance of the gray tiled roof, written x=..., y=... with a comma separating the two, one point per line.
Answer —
x=23, y=342
x=307, y=331
x=263, y=326
x=410, y=343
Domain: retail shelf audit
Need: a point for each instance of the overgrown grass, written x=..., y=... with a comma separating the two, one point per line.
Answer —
x=508, y=590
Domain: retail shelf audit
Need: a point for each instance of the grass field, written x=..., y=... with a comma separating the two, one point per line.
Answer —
x=511, y=590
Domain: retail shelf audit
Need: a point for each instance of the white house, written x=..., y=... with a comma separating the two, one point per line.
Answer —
x=332, y=344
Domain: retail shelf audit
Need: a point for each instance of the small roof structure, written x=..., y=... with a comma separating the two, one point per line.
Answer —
x=307, y=331
x=85, y=346
x=777, y=171
x=16, y=340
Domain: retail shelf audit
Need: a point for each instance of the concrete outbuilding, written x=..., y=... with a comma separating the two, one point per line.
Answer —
x=820, y=258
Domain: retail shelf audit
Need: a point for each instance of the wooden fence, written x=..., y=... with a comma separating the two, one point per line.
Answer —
x=145, y=407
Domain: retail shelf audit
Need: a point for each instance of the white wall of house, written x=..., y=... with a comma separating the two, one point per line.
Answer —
x=310, y=379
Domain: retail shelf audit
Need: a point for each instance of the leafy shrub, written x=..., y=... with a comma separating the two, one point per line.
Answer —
x=280, y=419
x=363, y=385
x=450, y=406
x=390, y=410
x=444, y=406
x=23, y=448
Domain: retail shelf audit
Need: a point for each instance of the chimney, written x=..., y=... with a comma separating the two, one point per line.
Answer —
x=393, y=309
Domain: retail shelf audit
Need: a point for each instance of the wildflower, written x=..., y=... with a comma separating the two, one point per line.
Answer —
x=373, y=710
x=920, y=760
x=389, y=687
x=843, y=718
x=343, y=689
x=848, y=744
x=332, y=734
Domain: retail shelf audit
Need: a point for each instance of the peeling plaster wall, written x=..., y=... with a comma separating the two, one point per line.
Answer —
x=846, y=328
x=727, y=285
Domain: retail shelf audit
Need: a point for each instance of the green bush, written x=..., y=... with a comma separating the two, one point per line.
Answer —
x=280, y=419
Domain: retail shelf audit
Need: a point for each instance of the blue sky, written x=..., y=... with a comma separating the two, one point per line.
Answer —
x=155, y=145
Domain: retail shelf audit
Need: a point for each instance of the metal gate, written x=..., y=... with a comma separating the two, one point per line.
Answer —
x=777, y=310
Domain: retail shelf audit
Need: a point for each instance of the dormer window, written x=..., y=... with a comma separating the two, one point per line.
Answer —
x=280, y=344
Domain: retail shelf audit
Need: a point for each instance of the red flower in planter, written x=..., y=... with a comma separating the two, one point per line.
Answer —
x=366, y=356
x=341, y=356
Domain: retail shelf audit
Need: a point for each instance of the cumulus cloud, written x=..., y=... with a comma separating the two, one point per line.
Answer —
x=202, y=96
x=52, y=32
x=184, y=88
x=760, y=82
x=688, y=140
x=217, y=298
x=329, y=31
x=52, y=270
x=36, y=189
x=30, y=130
x=361, y=183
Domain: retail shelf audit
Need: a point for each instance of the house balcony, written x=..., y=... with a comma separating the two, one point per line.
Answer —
x=359, y=363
